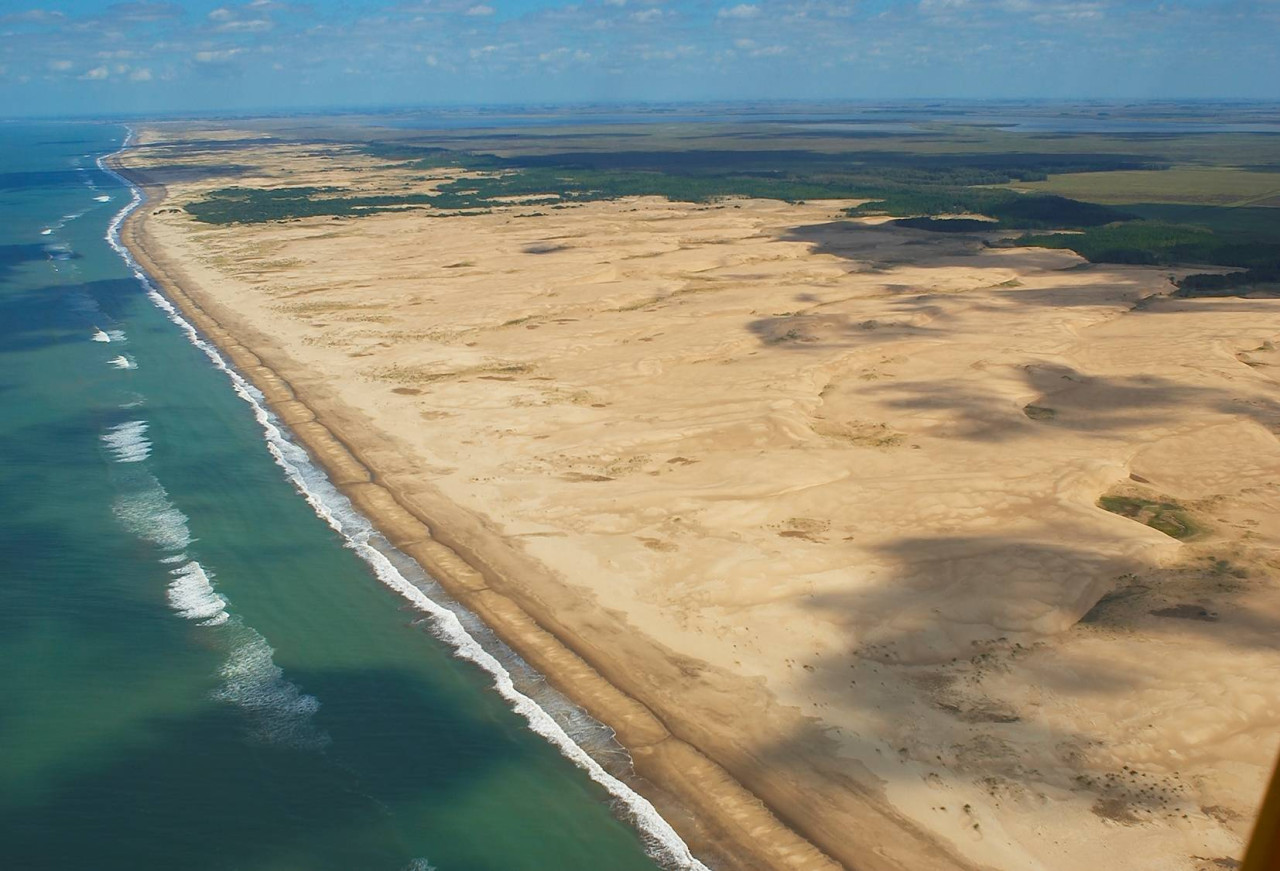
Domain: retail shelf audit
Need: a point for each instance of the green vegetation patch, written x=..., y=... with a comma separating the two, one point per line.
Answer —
x=537, y=186
x=1144, y=242
x=1009, y=210
x=1167, y=517
x=258, y=205
x=1248, y=239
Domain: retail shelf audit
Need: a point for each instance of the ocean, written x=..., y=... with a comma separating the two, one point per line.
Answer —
x=210, y=660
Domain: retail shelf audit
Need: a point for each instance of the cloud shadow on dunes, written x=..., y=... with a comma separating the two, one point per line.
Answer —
x=941, y=649
x=877, y=244
x=1065, y=399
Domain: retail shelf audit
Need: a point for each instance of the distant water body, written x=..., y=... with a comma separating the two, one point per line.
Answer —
x=209, y=660
x=862, y=120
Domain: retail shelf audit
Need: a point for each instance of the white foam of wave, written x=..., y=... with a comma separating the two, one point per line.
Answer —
x=100, y=336
x=419, y=865
x=116, y=335
x=174, y=559
x=122, y=362
x=62, y=222
x=661, y=841
x=103, y=199
x=128, y=442
x=192, y=595
x=148, y=514
x=281, y=712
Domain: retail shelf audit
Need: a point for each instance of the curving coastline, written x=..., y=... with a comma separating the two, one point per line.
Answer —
x=843, y=571
x=711, y=811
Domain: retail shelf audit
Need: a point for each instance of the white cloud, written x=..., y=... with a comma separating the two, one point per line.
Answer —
x=60, y=65
x=255, y=25
x=218, y=56
x=33, y=16
x=480, y=10
x=142, y=74
x=97, y=73
x=741, y=12
x=646, y=16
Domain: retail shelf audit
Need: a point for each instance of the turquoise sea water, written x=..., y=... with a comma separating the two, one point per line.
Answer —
x=199, y=671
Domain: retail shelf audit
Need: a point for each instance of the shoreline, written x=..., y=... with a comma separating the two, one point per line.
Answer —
x=717, y=816
x=849, y=553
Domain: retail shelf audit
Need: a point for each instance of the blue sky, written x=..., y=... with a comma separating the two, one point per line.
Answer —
x=84, y=56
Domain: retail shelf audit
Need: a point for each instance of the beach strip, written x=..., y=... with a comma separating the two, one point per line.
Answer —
x=722, y=821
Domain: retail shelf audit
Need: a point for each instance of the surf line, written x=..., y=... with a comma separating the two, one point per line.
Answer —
x=661, y=841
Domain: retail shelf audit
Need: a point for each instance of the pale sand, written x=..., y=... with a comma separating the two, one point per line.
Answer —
x=757, y=488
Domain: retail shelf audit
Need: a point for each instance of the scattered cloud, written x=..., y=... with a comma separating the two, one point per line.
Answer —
x=142, y=12
x=33, y=16
x=216, y=56
x=415, y=50
x=253, y=25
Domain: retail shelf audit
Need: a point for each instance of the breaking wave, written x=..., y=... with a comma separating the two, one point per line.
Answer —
x=192, y=595
x=128, y=442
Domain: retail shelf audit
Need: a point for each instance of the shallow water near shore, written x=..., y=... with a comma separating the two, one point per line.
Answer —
x=201, y=671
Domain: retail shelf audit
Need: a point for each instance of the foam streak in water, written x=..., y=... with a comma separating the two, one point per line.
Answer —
x=148, y=514
x=661, y=840
x=281, y=712
x=128, y=442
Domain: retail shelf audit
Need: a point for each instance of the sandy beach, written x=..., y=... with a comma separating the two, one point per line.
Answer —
x=807, y=509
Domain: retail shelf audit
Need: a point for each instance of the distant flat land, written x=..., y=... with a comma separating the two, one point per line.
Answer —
x=1216, y=186
x=957, y=550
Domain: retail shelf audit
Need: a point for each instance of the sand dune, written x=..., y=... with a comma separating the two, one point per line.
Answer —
x=821, y=495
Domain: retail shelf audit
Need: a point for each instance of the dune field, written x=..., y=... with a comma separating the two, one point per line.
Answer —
x=952, y=556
